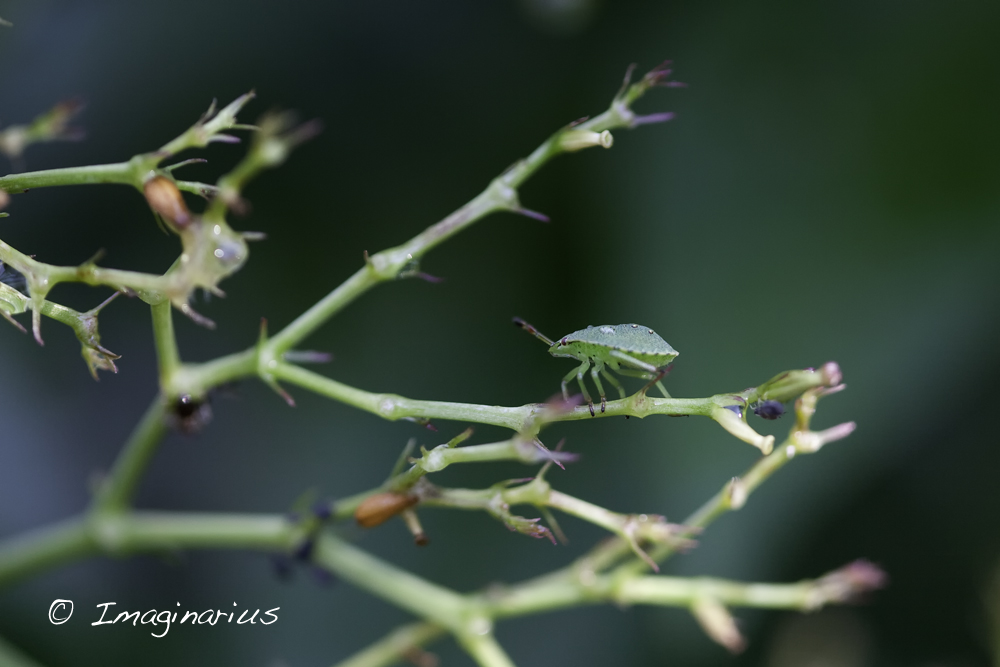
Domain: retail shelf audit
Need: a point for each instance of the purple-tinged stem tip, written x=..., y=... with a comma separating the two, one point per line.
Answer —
x=541, y=217
x=429, y=278
x=653, y=118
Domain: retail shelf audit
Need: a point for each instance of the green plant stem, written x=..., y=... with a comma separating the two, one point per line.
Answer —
x=167, y=354
x=500, y=194
x=124, y=173
x=682, y=592
x=720, y=503
x=484, y=649
x=124, y=533
x=111, y=528
x=438, y=459
x=800, y=441
x=135, y=171
x=11, y=656
x=657, y=590
x=525, y=419
x=393, y=407
x=465, y=616
x=401, y=588
x=582, y=578
x=119, y=486
x=397, y=644
x=88, y=274
x=44, y=548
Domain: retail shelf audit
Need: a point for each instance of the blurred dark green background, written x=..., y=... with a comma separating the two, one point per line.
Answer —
x=829, y=190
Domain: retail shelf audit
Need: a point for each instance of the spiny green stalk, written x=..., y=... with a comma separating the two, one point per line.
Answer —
x=211, y=249
x=613, y=572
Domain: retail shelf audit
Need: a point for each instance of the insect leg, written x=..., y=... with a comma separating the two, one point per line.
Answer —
x=578, y=374
x=632, y=362
x=632, y=373
x=653, y=378
x=652, y=373
x=583, y=388
x=614, y=382
x=569, y=376
x=598, y=368
x=663, y=390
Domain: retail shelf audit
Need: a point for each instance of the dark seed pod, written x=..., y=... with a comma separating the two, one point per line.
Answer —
x=323, y=577
x=322, y=509
x=166, y=200
x=282, y=566
x=189, y=415
x=381, y=507
x=769, y=409
x=304, y=550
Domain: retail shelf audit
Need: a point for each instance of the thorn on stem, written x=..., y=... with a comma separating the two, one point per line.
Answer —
x=428, y=277
x=652, y=118
x=195, y=316
x=279, y=390
x=308, y=357
x=541, y=217
x=7, y=316
x=423, y=421
x=629, y=71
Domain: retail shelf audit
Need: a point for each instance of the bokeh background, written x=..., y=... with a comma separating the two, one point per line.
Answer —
x=830, y=189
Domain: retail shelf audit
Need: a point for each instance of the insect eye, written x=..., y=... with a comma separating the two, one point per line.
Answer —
x=562, y=342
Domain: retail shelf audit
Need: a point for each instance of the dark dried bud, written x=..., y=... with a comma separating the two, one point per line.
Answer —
x=282, y=567
x=322, y=510
x=303, y=552
x=189, y=415
x=769, y=409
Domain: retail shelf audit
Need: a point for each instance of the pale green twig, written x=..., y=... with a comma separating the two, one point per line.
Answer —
x=117, y=489
x=167, y=354
x=53, y=125
x=500, y=195
x=403, y=642
x=10, y=655
x=139, y=168
x=84, y=325
x=110, y=527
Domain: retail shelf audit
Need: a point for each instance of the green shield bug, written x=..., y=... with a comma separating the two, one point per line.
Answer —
x=627, y=349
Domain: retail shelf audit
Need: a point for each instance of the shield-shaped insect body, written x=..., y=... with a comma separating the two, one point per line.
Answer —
x=627, y=349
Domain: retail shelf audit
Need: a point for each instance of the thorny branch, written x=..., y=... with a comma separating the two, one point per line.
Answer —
x=614, y=571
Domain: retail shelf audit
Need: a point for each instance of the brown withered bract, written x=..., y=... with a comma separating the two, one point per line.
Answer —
x=381, y=507
x=165, y=199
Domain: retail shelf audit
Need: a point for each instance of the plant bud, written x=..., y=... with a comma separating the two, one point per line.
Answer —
x=166, y=200
x=849, y=584
x=787, y=386
x=718, y=624
x=736, y=493
x=574, y=140
x=381, y=507
x=413, y=525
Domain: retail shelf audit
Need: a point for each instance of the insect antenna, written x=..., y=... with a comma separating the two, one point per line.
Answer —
x=533, y=331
